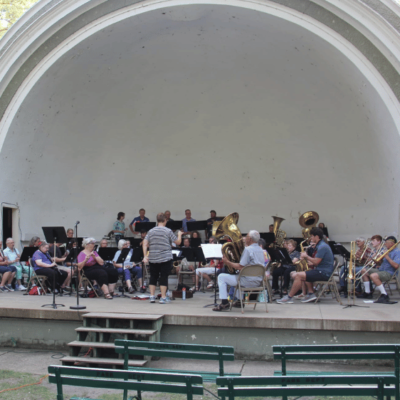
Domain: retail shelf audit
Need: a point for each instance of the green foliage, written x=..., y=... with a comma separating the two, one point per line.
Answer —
x=11, y=10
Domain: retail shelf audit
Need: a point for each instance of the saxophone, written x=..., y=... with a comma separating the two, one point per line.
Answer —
x=301, y=265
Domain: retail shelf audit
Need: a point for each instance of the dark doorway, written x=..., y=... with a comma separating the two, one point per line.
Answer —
x=7, y=224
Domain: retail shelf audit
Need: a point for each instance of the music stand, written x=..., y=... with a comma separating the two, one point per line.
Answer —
x=55, y=234
x=280, y=255
x=269, y=237
x=212, y=256
x=107, y=253
x=144, y=226
x=195, y=242
x=134, y=242
x=121, y=260
x=325, y=230
x=196, y=226
x=26, y=256
x=199, y=257
x=174, y=225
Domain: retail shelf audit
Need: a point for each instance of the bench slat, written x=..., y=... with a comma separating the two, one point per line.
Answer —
x=339, y=347
x=334, y=356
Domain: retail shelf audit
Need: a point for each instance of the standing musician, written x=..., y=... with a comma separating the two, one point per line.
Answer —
x=252, y=255
x=210, y=222
x=44, y=264
x=188, y=218
x=383, y=273
x=12, y=253
x=322, y=259
x=160, y=240
x=140, y=218
x=168, y=216
x=285, y=269
x=119, y=227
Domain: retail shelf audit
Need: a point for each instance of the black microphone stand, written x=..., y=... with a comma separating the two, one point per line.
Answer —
x=77, y=307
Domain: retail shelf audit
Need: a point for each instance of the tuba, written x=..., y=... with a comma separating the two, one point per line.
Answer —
x=308, y=220
x=280, y=235
x=228, y=227
x=302, y=264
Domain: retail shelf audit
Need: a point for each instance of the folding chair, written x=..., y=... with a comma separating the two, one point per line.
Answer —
x=251, y=271
x=329, y=285
x=395, y=280
x=39, y=279
x=84, y=281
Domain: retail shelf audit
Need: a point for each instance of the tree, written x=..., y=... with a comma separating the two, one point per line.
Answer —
x=11, y=11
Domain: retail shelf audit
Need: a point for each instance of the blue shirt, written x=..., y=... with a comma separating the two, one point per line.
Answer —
x=324, y=252
x=395, y=256
x=119, y=226
x=38, y=255
x=184, y=223
x=252, y=255
x=11, y=255
x=138, y=219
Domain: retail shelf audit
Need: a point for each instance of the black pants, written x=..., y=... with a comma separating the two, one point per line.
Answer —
x=53, y=275
x=286, y=276
x=103, y=276
x=160, y=272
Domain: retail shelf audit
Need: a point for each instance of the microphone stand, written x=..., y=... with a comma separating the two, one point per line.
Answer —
x=77, y=307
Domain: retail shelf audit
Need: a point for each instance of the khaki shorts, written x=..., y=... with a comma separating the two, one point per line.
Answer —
x=384, y=276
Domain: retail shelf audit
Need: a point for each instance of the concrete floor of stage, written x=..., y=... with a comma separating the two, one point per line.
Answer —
x=325, y=315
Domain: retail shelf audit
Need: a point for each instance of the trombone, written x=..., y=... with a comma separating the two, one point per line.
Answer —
x=351, y=282
x=366, y=246
x=372, y=262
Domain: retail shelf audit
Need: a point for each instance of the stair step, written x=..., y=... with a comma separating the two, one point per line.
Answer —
x=144, y=332
x=105, y=361
x=98, y=345
x=147, y=317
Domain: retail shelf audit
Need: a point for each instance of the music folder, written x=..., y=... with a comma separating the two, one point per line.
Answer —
x=174, y=225
x=27, y=253
x=107, y=253
x=197, y=226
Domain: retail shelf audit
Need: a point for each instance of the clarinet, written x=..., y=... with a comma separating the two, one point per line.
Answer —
x=49, y=258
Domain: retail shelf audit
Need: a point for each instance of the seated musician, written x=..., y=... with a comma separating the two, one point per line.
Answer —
x=382, y=273
x=188, y=218
x=34, y=242
x=7, y=270
x=103, y=243
x=143, y=235
x=61, y=260
x=252, y=255
x=136, y=221
x=43, y=264
x=129, y=269
x=360, y=243
x=210, y=222
x=322, y=260
x=92, y=264
x=285, y=269
x=208, y=270
x=185, y=266
x=197, y=239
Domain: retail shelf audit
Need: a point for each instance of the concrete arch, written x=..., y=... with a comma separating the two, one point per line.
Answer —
x=52, y=29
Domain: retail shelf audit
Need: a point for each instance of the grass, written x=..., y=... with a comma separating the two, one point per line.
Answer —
x=11, y=379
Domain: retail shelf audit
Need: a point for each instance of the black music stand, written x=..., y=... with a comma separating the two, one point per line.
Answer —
x=195, y=242
x=269, y=237
x=196, y=226
x=26, y=256
x=144, y=226
x=174, y=225
x=215, y=286
x=281, y=255
x=107, y=253
x=134, y=242
x=121, y=260
x=325, y=230
x=55, y=234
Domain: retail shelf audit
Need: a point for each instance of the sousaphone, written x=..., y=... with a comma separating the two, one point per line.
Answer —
x=308, y=220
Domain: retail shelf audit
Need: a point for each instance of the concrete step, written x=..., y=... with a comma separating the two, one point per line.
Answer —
x=142, y=332
x=104, y=361
x=98, y=345
x=142, y=317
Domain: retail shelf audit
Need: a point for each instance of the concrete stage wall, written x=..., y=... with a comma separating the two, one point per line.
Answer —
x=204, y=106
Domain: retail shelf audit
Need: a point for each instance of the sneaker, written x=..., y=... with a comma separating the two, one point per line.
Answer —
x=163, y=300
x=21, y=287
x=383, y=298
x=3, y=289
x=365, y=296
x=9, y=287
x=310, y=297
x=285, y=300
x=131, y=290
x=152, y=299
x=299, y=296
x=168, y=299
x=16, y=287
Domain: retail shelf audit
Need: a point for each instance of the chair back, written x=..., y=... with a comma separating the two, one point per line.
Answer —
x=252, y=270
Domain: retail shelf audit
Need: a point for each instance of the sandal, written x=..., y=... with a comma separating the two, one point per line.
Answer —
x=210, y=285
x=192, y=289
x=108, y=296
x=221, y=307
x=237, y=304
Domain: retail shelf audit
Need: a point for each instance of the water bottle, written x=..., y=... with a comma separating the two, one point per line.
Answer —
x=184, y=293
x=246, y=298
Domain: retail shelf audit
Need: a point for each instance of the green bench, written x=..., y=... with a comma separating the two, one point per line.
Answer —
x=338, y=352
x=177, y=350
x=140, y=381
x=301, y=385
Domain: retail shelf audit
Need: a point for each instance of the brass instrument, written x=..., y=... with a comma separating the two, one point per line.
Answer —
x=302, y=264
x=366, y=246
x=383, y=255
x=351, y=282
x=308, y=220
x=231, y=250
x=372, y=262
x=280, y=235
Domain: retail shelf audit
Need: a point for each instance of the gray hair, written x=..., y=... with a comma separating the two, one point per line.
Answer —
x=121, y=243
x=87, y=241
x=254, y=236
x=9, y=240
x=361, y=239
x=43, y=244
x=34, y=240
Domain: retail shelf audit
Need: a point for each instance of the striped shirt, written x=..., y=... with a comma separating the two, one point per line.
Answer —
x=160, y=241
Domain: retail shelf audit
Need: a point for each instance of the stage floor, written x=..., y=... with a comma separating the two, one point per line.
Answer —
x=325, y=315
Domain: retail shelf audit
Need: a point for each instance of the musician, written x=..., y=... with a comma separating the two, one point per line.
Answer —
x=186, y=244
x=61, y=259
x=210, y=222
x=129, y=269
x=143, y=235
x=252, y=255
x=119, y=227
x=285, y=269
x=103, y=243
x=7, y=270
x=43, y=264
x=360, y=243
x=195, y=239
x=271, y=228
x=34, y=242
x=140, y=218
x=168, y=216
x=92, y=265
x=322, y=260
x=13, y=255
x=209, y=269
x=188, y=218
x=70, y=233
x=160, y=239
x=384, y=273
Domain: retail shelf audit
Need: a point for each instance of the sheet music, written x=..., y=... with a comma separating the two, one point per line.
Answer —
x=212, y=250
x=176, y=252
